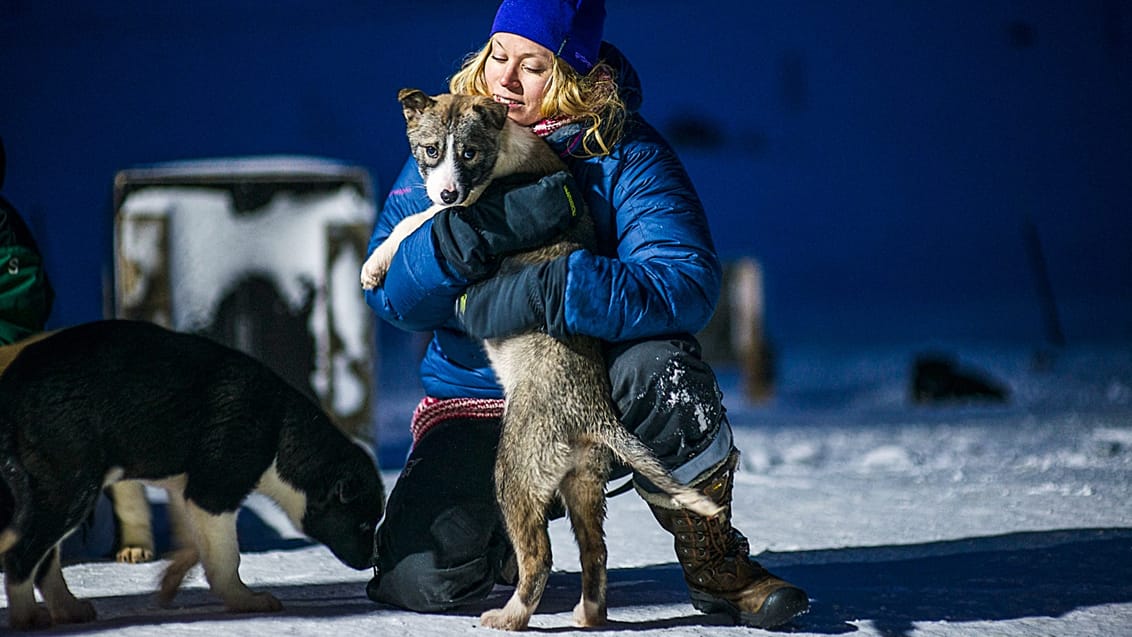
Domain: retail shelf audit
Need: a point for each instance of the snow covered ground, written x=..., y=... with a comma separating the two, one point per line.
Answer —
x=1012, y=519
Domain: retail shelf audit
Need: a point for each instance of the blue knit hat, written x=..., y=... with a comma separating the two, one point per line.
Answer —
x=571, y=29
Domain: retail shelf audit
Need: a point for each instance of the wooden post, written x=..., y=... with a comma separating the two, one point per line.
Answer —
x=748, y=331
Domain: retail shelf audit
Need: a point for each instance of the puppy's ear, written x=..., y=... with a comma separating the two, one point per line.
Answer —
x=494, y=113
x=413, y=102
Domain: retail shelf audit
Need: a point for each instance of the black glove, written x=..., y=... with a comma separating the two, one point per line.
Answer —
x=507, y=218
x=528, y=300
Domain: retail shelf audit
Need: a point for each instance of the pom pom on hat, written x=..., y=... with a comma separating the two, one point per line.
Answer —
x=571, y=29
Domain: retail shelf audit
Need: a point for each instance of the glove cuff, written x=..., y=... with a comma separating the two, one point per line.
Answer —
x=531, y=299
x=464, y=251
x=551, y=288
x=512, y=219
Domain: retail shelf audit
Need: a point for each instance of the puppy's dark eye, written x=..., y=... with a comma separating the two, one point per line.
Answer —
x=469, y=154
x=431, y=151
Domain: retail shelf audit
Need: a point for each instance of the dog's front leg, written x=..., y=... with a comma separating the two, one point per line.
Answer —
x=135, y=541
x=377, y=265
x=215, y=537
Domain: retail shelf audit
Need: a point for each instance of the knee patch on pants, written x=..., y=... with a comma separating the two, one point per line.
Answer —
x=669, y=398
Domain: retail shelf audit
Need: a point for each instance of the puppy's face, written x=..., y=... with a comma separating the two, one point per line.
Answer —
x=455, y=140
x=344, y=518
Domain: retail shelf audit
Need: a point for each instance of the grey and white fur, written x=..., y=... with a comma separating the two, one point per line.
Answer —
x=560, y=429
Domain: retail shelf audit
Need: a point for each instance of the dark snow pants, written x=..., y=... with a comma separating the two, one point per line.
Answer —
x=442, y=542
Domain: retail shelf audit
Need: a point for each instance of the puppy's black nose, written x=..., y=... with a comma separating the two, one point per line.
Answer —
x=448, y=196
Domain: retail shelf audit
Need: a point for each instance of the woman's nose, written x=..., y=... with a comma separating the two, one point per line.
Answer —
x=509, y=77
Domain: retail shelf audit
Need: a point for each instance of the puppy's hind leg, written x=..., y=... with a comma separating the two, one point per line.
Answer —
x=20, y=582
x=64, y=607
x=23, y=612
x=32, y=559
x=584, y=493
x=525, y=516
x=215, y=537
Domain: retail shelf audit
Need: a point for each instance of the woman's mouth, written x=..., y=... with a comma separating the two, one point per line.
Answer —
x=510, y=103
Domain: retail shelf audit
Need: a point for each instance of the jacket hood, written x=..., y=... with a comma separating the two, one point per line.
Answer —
x=628, y=87
x=628, y=82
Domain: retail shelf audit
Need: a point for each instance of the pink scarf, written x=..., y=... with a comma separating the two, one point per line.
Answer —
x=551, y=124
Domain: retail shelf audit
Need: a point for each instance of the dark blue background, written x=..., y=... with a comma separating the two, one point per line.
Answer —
x=880, y=157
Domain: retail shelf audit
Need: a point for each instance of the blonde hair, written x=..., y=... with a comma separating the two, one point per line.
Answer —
x=569, y=95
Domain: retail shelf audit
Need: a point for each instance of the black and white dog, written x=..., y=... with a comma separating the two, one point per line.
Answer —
x=90, y=405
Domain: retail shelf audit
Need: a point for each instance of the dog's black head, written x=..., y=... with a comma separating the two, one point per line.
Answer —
x=345, y=516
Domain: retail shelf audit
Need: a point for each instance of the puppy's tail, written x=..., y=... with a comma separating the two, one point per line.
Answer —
x=14, y=494
x=8, y=539
x=634, y=453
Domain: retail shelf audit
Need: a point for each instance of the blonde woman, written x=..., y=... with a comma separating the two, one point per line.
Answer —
x=651, y=283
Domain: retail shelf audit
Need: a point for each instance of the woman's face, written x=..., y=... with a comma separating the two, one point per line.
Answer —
x=517, y=72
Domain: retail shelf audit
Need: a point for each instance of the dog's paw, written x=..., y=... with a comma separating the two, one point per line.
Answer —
x=369, y=281
x=503, y=619
x=35, y=618
x=589, y=614
x=375, y=268
x=254, y=603
x=78, y=611
x=134, y=555
x=372, y=278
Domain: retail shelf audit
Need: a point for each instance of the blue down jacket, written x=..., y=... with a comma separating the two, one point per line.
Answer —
x=654, y=271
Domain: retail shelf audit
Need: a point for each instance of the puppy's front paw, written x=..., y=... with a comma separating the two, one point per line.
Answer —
x=134, y=555
x=373, y=273
x=377, y=266
x=370, y=280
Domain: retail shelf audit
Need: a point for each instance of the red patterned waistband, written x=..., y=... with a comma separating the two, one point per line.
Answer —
x=433, y=411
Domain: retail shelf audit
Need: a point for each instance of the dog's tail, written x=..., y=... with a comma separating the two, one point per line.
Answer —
x=8, y=539
x=13, y=494
x=634, y=453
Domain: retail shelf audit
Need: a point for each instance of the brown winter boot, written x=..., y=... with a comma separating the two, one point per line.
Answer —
x=718, y=569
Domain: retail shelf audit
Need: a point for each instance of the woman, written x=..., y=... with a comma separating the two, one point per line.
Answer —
x=651, y=283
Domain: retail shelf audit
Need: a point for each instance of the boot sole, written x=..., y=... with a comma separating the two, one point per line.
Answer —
x=780, y=607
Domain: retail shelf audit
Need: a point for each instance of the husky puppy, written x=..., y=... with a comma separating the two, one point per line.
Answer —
x=560, y=430
x=90, y=405
x=131, y=508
